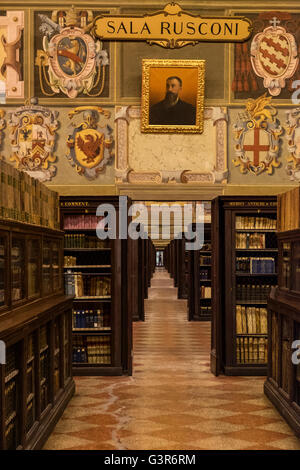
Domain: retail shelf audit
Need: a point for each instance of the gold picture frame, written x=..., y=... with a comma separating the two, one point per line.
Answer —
x=173, y=96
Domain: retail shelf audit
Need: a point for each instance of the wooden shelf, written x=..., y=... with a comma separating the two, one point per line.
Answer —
x=255, y=275
x=89, y=266
x=225, y=356
x=258, y=250
x=113, y=259
x=87, y=249
x=254, y=230
x=92, y=332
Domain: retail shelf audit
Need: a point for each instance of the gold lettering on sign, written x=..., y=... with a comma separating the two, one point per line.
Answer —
x=74, y=204
x=172, y=28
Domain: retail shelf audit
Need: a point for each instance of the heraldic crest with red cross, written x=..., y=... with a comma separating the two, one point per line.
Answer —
x=257, y=137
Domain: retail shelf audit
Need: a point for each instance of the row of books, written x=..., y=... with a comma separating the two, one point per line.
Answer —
x=44, y=365
x=204, y=275
x=205, y=292
x=11, y=435
x=81, y=285
x=206, y=247
x=10, y=398
x=26, y=199
x=205, y=311
x=248, y=223
x=11, y=361
x=96, y=319
x=30, y=416
x=2, y=272
x=251, y=350
x=252, y=241
x=253, y=292
x=44, y=396
x=17, y=269
x=96, y=350
x=79, y=240
x=288, y=210
x=43, y=337
x=256, y=265
x=70, y=261
x=82, y=221
x=204, y=260
x=251, y=320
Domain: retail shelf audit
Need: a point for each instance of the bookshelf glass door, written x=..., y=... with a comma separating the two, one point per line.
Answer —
x=44, y=367
x=12, y=397
x=55, y=266
x=33, y=266
x=296, y=263
x=3, y=255
x=18, y=269
x=30, y=384
x=46, y=273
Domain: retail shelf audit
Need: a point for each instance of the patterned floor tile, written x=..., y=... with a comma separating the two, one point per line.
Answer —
x=172, y=401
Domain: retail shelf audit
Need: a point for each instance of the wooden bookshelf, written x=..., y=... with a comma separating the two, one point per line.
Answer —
x=282, y=386
x=183, y=268
x=241, y=282
x=102, y=302
x=199, y=297
x=35, y=324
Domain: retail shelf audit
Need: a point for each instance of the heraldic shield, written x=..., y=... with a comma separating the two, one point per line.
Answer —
x=256, y=136
x=274, y=57
x=32, y=136
x=72, y=61
x=293, y=144
x=90, y=148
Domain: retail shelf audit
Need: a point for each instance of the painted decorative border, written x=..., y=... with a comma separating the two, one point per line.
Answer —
x=125, y=174
x=14, y=23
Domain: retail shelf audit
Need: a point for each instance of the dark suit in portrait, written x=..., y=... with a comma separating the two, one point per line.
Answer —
x=172, y=110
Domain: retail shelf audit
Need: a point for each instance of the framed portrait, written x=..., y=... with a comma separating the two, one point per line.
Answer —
x=172, y=96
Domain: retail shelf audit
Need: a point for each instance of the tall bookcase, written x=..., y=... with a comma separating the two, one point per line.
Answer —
x=182, y=259
x=244, y=268
x=96, y=272
x=199, y=282
x=35, y=324
x=282, y=386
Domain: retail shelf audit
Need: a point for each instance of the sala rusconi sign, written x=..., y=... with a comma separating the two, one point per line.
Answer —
x=172, y=27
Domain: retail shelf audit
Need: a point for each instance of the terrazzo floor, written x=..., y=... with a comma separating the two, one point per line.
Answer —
x=172, y=401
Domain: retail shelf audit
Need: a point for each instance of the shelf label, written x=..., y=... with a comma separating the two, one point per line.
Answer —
x=74, y=204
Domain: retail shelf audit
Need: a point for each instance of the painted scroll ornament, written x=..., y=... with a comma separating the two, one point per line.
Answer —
x=32, y=136
x=274, y=56
x=256, y=136
x=90, y=146
x=71, y=61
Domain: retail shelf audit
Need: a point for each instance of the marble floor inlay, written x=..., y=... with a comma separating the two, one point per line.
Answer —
x=172, y=401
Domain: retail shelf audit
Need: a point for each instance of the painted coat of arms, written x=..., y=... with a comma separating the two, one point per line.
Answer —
x=71, y=61
x=270, y=61
x=274, y=56
x=32, y=136
x=90, y=146
x=293, y=142
x=256, y=136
